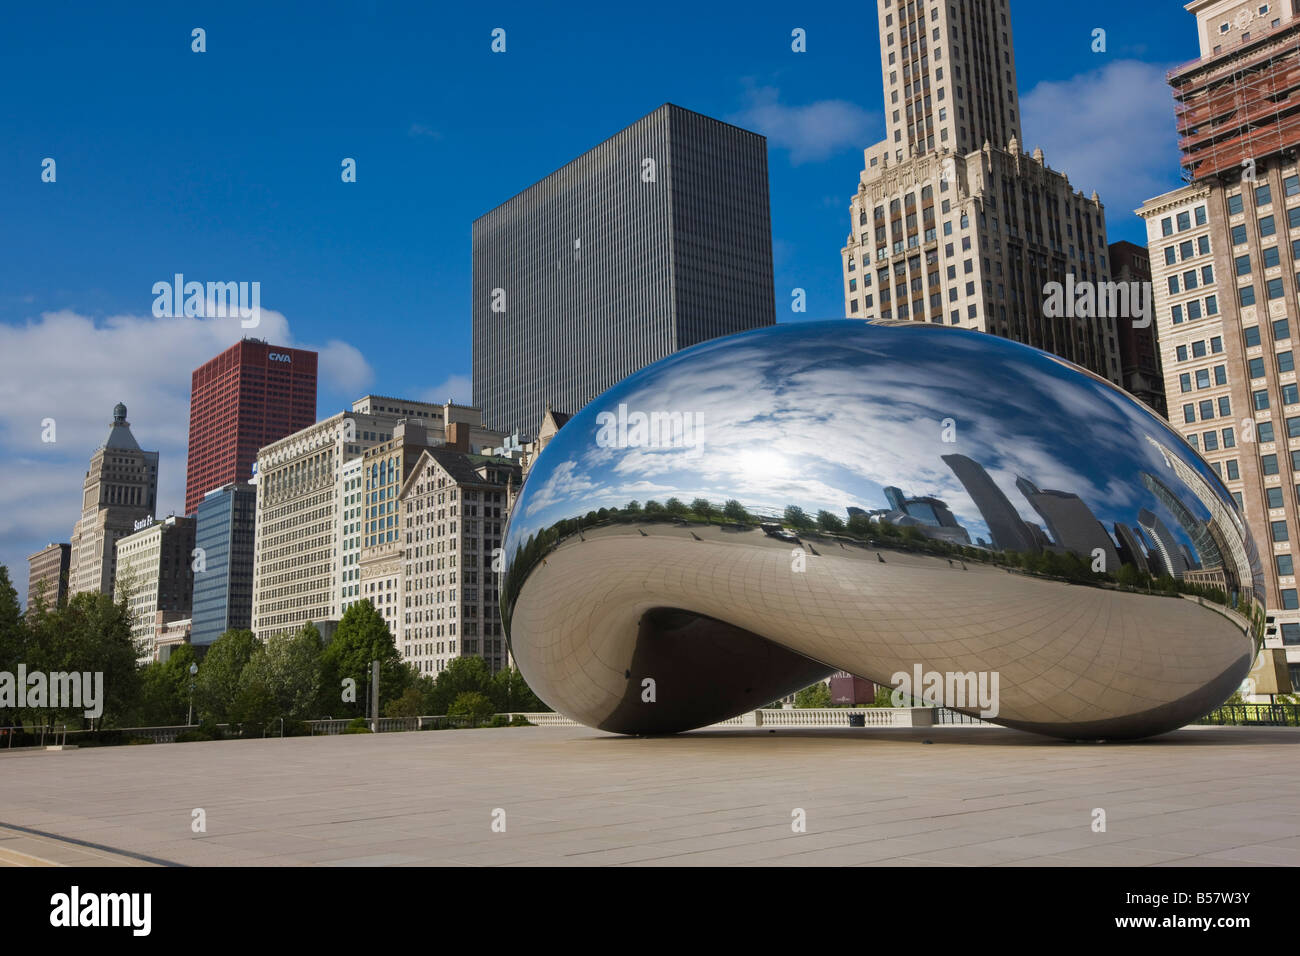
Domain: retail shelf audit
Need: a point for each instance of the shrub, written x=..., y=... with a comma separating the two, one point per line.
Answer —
x=357, y=725
x=519, y=720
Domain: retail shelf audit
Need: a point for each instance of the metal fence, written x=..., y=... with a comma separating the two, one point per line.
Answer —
x=1257, y=715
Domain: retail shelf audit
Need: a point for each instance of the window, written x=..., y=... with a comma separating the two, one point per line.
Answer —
x=1281, y=330
x=1243, y=265
x=1293, y=217
x=1285, y=567
x=1166, y=226
x=1289, y=601
x=1293, y=427
x=1185, y=249
x=1182, y=353
x=1202, y=378
x=1184, y=221
x=1207, y=275
x=1256, y=368
x=1234, y=473
x=1285, y=361
x=1198, y=348
x=1200, y=215
x=1234, y=205
x=1279, y=531
x=1265, y=430
x=1290, y=394
x=1189, y=413
x=1173, y=285
x=1290, y=637
x=1220, y=375
x=1176, y=313
x=1274, y=496
x=1189, y=280
x=1185, y=382
x=1267, y=227
x=1260, y=399
x=1203, y=245
x=1252, y=336
x=1225, y=407
x=1211, y=305
x=1211, y=441
x=1171, y=255
x=1246, y=294
x=1271, y=257
x=1206, y=409
x=1193, y=310
x=1268, y=464
x=1291, y=185
x=1216, y=344
x=1263, y=195
x=1229, y=439
x=1238, y=235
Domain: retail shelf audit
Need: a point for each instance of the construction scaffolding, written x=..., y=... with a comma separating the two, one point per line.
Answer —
x=1239, y=106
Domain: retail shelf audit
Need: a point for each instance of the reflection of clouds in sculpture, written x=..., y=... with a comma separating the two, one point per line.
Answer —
x=840, y=417
x=810, y=397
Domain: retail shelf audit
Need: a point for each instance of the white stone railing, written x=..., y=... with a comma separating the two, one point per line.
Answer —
x=839, y=717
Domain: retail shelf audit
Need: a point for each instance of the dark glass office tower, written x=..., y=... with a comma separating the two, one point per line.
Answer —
x=655, y=240
x=223, y=588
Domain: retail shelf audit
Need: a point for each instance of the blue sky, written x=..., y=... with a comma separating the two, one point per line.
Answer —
x=225, y=166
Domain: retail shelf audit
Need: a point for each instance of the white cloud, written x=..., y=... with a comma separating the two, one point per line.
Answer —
x=455, y=387
x=810, y=132
x=421, y=131
x=1111, y=130
x=73, y=369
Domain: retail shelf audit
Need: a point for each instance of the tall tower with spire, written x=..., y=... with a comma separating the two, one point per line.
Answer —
x=118, y=496
x=954, y=222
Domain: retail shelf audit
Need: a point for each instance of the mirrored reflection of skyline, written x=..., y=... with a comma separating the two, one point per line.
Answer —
x=852, y=418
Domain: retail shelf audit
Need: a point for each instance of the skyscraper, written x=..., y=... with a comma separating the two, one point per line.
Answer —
x=47, y=575
x=223, y=583
x=656, y=239
x=1224, y=253
x=1139, y=354
x=155, y=569
x=952, y=222
x=1073, y=525
x=119, y=492
x=249, y=396
x=1008, y=530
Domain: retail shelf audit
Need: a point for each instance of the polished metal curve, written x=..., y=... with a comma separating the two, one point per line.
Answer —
x=970, y=521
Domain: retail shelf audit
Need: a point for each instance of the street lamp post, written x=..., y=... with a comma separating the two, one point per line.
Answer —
x=194, y=669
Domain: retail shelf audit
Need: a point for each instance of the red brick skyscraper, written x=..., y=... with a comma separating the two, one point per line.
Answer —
x=250, y=395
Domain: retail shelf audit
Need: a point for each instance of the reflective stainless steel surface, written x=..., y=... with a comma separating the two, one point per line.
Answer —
x=991, y=511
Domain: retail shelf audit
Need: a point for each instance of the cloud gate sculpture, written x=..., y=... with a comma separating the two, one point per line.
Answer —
x=904, y=502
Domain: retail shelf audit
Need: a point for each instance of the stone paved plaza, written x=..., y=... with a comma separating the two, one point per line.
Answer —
x=973, y=796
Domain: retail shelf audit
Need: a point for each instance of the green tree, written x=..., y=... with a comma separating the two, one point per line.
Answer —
x=815, y=695
x=676, y=506
x=461, y=675
x=859, y=525
x=362, y=637
x=91, y=634
x=653, y=507
x=797, y=518
x=733, y=510
x=510, y=693
x=282, y=679
x=217, y=682
x=164, y=694
x=704, y=508
x=410, y=704
x=829, y=522
x=633, y=507
x=472, y=705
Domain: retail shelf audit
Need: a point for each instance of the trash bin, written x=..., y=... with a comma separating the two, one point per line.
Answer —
x=857, y=720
